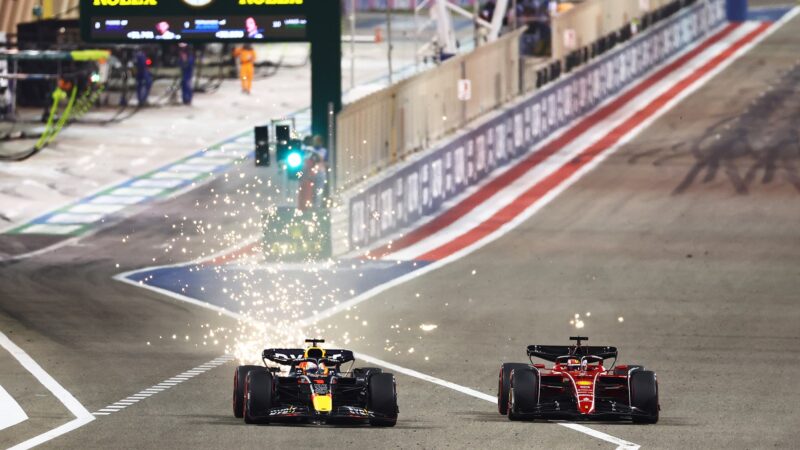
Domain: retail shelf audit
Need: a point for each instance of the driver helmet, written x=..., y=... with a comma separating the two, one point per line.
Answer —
x=573, y=363
x=315, y=369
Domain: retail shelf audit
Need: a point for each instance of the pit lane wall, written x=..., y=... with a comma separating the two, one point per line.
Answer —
x=421, y=186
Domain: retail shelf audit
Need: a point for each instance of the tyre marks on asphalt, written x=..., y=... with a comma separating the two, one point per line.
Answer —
x=163, y=386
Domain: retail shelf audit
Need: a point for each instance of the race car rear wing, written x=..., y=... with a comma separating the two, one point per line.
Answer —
x=289, y=356
x=553, y=352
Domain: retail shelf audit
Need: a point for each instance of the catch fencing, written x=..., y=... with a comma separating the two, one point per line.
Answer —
x=421, y=186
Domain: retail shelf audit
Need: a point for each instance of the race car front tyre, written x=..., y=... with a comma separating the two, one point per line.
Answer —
x=258, y=396
x=524, y=393
x=503, y=385
x=644, y=396
x=238, y=389
x=382, y=399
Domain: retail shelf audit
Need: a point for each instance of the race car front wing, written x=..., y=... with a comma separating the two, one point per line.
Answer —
x=339, y=413
x=603, y=410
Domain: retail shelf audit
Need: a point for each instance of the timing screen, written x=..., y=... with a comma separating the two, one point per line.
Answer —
x=196, y=28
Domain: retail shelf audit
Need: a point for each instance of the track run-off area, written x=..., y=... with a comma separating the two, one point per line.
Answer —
x=677, y=249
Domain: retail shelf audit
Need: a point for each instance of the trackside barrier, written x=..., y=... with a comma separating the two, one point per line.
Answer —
x=422, y=185
x=385, y=127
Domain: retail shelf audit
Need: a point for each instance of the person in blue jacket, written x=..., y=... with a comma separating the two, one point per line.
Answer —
x=186, y=62
x=144, y=79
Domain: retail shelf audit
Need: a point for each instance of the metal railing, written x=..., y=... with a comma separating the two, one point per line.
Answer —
x=386, y=127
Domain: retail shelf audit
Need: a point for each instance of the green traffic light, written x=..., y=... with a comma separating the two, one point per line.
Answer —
x=294, y=160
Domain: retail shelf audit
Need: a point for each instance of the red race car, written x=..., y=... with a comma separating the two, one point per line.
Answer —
x=577, y=386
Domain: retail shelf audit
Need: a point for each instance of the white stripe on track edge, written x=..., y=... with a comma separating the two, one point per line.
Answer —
x=82, y=415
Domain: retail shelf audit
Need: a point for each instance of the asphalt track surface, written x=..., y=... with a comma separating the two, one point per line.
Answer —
x=669, y=232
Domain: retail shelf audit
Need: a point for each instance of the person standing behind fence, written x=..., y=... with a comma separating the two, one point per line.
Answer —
x=313, y=183
x=186, y=62
x=247, y=59
x=144, y=79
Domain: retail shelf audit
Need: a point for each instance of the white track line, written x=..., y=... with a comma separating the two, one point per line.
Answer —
x=620, y=443
x=82, y=415
x=164, y=385
x=10, y=411
x=428, y=378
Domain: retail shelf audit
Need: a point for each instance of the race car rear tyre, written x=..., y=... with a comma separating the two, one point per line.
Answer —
x=503, y=385
x=238, y=389
x=258, y=396
x=524, y=393
x=382, y=399
x=644, y=395
x=626, y=371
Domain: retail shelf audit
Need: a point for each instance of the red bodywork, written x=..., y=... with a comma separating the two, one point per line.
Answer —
x=577, y=385
x=583, y=382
